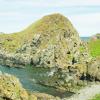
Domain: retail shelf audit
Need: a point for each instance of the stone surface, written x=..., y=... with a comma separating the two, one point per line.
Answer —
x=14, y=60
x=94, y=69
x=11, y=89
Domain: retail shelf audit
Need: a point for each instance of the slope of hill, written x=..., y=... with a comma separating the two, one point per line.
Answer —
x=94, y=45
x=47, y=24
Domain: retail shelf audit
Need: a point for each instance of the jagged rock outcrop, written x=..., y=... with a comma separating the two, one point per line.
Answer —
x=94, y=69
x=11, y=89
x=54, y=43
x=14, y=60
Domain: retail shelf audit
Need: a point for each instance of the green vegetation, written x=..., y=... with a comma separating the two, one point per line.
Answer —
x=94, y=47
x=46, y=25
x=13, y=41
x=97, y=97
x=82, y=48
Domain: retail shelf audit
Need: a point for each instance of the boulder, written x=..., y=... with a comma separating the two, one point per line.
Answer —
x=11, y=89
x=94, y=69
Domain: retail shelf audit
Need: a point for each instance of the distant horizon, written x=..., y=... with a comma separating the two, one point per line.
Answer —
x=16, y=15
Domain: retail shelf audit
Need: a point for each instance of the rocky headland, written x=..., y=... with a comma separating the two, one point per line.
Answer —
x=52, y=42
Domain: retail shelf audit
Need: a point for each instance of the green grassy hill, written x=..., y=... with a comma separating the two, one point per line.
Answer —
x=97, y=97
x=11, y=42
x=94, y=47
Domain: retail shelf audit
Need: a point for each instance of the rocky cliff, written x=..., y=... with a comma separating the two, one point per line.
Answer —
x=52, y=42
x=94, y=69
x=11, y=89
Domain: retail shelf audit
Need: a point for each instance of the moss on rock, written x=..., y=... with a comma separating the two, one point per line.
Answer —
x=11, y=89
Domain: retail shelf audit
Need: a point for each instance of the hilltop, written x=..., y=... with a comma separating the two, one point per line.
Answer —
x=46, y=25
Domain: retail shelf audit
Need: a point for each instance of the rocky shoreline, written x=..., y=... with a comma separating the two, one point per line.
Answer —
x=11, y=89
x=14, y=60
x=87, y=93
x=56, y=45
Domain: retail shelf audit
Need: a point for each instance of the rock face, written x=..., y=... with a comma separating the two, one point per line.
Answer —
x=11, y=89
x=94, y=69
x=14, y=60
x=55, y=44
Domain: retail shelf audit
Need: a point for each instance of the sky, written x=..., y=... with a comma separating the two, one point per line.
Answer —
x=16, y=15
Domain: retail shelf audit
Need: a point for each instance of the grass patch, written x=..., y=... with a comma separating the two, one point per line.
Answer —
x=97, y=97
x=94, y=47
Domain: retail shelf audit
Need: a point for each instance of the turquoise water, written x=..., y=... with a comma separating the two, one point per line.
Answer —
x=29, y=77
x=85, y=38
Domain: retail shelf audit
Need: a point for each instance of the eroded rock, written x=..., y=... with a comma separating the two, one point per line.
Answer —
x=94, y=69
x=11, y=89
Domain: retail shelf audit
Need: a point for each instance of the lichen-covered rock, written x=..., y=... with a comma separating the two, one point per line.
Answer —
x=11, y=89
x=14, y=60
x=64, y=79
x=94, y=69
x=56, y=45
